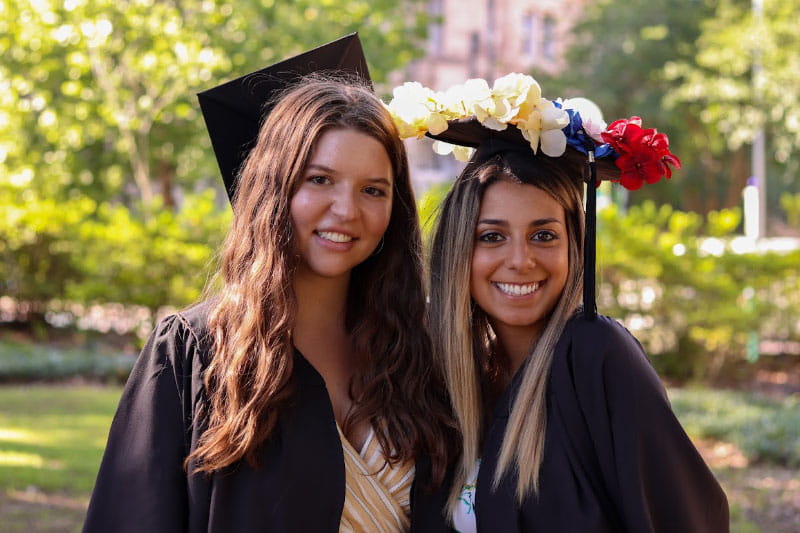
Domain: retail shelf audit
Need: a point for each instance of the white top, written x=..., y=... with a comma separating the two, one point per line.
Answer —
x=464, y=516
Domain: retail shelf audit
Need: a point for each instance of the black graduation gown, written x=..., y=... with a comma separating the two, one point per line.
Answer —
x=616, y=459
x=299, y=486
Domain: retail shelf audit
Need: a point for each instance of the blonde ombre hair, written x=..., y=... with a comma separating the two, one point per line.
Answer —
x=464, y=343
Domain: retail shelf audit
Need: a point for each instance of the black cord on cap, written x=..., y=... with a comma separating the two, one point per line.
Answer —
x=589, y=242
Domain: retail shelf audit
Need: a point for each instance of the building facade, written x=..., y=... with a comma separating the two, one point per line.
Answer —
x=485, y=39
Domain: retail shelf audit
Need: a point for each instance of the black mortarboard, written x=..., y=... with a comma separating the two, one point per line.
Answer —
x=235, y=110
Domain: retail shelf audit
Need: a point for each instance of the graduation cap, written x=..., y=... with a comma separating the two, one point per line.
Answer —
x=234, y=111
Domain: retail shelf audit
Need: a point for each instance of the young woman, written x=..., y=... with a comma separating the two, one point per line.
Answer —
x=301, y=397
x=565, y=425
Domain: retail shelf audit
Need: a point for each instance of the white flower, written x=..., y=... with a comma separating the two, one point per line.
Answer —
x=411, y=108
x=516, y=89
x=461, y=153
x=477, y=99
x=543, y=124
x=591, y=116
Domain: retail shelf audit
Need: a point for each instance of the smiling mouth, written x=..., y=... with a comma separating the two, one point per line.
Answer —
x=334, y=236
x=517, y=289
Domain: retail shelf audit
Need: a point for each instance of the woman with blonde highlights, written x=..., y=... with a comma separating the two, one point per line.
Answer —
x=565, y=425
x=301, y=396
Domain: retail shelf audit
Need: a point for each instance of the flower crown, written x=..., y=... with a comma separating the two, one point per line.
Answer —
x=642, y=155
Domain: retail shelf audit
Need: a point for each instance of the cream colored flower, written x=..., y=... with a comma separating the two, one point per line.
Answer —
x=543, y=126
x=410, y=108
x=461, y=153
x=436, y=123
x=477, y=99
x=451, y=102
x=511, y=93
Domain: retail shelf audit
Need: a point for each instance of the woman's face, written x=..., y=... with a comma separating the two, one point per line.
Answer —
x=520, y=258
x=343, y=204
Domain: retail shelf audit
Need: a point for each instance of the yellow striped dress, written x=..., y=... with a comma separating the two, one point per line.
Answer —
x=377, y=495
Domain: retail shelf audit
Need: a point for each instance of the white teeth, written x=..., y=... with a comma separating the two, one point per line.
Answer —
x=334, y=237
x=516, y=289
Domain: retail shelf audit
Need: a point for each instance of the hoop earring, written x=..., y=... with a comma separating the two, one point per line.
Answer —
x=378, y=249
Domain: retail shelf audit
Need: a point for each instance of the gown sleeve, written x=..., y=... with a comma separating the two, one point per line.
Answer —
x=141, y=485
x=654, y=476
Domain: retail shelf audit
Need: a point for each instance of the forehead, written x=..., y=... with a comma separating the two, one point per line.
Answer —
x=506, y=200
x=351, y=151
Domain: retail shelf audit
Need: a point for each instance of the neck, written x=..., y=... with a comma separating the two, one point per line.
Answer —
x=320, y=331
x=321, y=305
x=516, y=344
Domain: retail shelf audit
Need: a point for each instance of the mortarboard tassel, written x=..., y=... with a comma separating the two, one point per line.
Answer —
x=589, y=242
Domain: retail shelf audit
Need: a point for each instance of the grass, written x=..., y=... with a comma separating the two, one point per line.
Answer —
x=52, y=439
x=766, y=430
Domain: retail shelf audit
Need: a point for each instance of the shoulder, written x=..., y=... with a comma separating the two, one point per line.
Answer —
x=600, y=339
x=603, y=350
x=181, y=337
x=194, y=320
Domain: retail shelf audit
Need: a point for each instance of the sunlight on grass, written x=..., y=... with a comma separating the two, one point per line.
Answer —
x=52, y=436
x=14, y=434
x=20, y=459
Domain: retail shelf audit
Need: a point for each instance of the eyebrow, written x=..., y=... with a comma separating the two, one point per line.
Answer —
x=329, y=170
x=533, y=223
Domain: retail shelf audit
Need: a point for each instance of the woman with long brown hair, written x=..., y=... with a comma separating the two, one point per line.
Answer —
x=565, y=425
x=301, y=395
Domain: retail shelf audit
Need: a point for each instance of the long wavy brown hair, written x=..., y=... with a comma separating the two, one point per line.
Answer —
x=395, y=385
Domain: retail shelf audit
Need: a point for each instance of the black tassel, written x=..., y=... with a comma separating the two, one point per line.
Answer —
x=590, y=243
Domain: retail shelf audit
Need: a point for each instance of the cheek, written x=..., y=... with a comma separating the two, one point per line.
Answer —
x=560, y=268
x=300, y=208
x=480, y=269
x=380, y=216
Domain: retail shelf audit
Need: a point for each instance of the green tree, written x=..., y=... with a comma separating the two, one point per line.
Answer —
x=97, y=97
x=745, y=75
x=626, y=56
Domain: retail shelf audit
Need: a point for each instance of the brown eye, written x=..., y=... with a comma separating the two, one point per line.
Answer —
x=491, y=236
x=374, y=191
x=319, y=180
x=544, y=236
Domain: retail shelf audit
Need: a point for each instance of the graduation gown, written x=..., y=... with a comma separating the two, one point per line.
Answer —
x=299, y=485
x=616, y=459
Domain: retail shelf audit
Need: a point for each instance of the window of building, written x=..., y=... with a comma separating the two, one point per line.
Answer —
x=527, y=34
x=435, y=29
x=549, y=38
x=474, y=50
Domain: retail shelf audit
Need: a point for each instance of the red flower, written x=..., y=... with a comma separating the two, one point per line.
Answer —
x=644, y=153
x=621, y=133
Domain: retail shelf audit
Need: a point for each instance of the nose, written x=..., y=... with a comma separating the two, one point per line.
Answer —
x=344, y=205
x=521, y=256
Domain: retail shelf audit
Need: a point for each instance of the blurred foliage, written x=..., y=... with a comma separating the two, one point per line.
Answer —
x=791, y=205
x=98, y=97
x=673, y=279
x=21, y=362
x=765, y=430
x=685, y=66
x=80, y=251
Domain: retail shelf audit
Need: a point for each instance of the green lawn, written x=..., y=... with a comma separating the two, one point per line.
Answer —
x=52, y=436
x=52, y=439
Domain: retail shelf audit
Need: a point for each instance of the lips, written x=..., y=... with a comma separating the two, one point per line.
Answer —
x=517, y=289
x=335, y=236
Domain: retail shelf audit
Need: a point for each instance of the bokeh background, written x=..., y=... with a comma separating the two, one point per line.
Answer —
x=111, y=206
